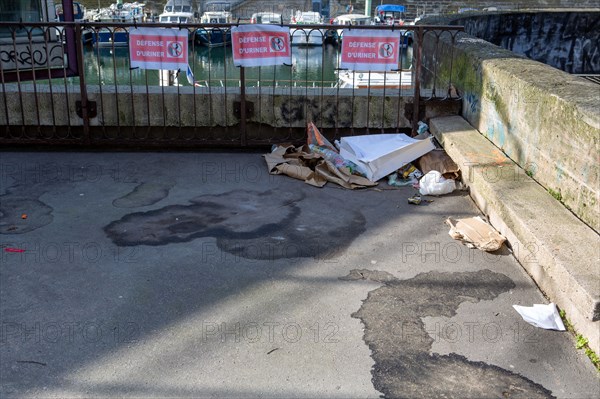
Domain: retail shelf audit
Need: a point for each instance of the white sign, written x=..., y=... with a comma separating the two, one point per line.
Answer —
x=158, y=48
x=370, y=50
x=261, y=45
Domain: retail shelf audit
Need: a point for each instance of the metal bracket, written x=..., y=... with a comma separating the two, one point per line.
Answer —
x=237, y=109
x=92, y=109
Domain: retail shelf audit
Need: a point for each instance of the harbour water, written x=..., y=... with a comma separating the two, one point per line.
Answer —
x=312, y=66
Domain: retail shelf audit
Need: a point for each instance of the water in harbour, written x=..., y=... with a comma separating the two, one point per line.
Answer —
x=311, y=66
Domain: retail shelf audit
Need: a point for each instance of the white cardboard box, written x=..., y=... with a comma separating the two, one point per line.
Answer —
x=378, y=155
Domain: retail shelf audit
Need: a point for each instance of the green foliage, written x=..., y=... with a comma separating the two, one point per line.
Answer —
x=581, y=341
x=556, y=194
x=593, y=357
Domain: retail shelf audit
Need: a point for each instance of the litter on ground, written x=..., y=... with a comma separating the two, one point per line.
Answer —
x=475, y=233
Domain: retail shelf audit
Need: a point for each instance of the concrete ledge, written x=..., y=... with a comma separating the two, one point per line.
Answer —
x=542, y=118
x=556, y=248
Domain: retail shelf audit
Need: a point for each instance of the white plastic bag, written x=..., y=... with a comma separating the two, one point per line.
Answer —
x=433, y=183
x=542, y=316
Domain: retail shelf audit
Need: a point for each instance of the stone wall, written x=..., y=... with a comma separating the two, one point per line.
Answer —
x=200, y=107
x=544, y=119
x=569, y=41
x=418, y=7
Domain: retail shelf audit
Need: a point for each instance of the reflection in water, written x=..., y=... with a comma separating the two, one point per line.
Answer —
x=214, y=66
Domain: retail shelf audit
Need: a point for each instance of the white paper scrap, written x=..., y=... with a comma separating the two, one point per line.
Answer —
x=542, y=316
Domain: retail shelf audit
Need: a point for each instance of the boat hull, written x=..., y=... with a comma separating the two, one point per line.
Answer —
x=109, y=38
x=213, y=37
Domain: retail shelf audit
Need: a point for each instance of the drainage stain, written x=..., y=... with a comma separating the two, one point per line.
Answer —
x=396, y=335
x=144, y=194
x=248, y=224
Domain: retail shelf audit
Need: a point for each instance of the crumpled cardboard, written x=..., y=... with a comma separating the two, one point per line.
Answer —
x=475, y=233
x=300, y=163
x=440, y=161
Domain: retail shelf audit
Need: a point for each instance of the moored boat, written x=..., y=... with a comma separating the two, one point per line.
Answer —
x=266, y=18
x=179, y=12
x=78, y=16
x=117, y=12
x=217, y=12
x=349, y=20
x=393, y=15
x=307, y=36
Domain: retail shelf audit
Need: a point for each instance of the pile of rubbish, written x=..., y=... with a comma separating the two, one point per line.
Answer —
x=361, y=161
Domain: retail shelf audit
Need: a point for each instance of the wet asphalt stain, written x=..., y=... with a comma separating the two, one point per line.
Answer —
x=144, y=194
x=400, y=344
x=12, y=208
x=248, y=224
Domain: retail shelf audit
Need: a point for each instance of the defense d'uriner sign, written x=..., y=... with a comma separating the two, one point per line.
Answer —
x=367, y=50
x=261, y=45
x=158, y=48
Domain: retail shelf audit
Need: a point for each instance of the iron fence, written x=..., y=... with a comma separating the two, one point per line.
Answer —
x=88, y=93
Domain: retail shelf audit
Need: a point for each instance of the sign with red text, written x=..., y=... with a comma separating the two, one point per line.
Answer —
x=368, y=50
x=158, y=48
x=261, y=45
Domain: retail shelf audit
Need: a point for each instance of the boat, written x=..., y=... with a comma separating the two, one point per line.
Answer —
x=215, y=12
x=179, y=12
x=349, y=20
x=117, y=12
x=390, y=14
x=87, y=36
x=304, y=36
x=393, y=15
x=376, y=80
x=266, y=18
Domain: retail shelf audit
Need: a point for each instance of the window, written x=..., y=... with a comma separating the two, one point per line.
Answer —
x=21, y=10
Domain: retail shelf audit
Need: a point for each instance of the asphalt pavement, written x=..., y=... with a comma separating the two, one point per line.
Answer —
x=201, y=275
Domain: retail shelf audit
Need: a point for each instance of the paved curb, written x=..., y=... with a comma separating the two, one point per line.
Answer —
x=557, y=249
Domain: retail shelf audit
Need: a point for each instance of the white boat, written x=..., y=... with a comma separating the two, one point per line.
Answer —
x=179, y=11
x=79, y=15
x=351, y=20
x=217, y=12
x=375, y=80
x=306, y=36
x=393, y=15
x=117, y=12
x=266, y=18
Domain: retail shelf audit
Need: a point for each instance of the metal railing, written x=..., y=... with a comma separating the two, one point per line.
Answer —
x=92, y=96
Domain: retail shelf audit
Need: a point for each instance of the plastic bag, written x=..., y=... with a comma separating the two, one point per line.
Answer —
x=433, y=183
x=315, y=137
x=335, y=158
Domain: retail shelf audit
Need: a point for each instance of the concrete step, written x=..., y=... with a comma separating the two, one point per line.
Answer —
x=558, y=250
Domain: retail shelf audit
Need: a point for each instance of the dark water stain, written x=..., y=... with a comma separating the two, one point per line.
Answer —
x=13, y=207
x=249, y=224
x=144, y=194
x=401, y=346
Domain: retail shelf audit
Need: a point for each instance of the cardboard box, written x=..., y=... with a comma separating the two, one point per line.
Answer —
x=378, y=155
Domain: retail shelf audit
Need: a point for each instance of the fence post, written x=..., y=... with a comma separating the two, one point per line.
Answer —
x=82, y=85
x=243, y=106
x=417, y=79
